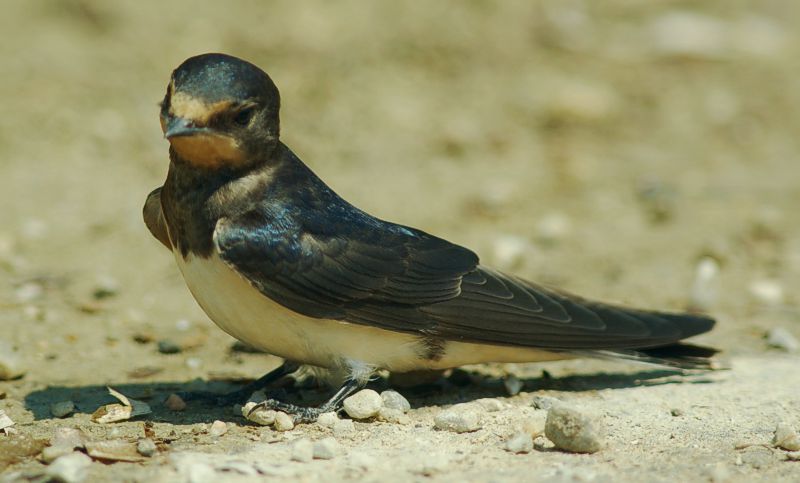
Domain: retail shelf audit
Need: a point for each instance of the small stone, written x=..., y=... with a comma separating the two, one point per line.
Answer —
x=572, y=430
x=302, y=450
x=363, y=404
x=194, y=363
x=283, y=422
x=534, y=425
x=703, y=295
x=166, y=346
x=183, y=325
x=544, y=402
x=768, y=292
x=793, y=456
x=328, y=419
x=520, y=443
x=510, y=251
x=51, y=453
x=326, y=449
x=513, y=385
x=70, y=468
x=492, y=405
x=62, y=408
x=395, y=400
x=344, y=428
x=362, y=460
x=10, y=362
x=28, y=292
x=460, y=418
x=70, y=437
x=262, y=416
x=553, y=228
x=175, y=403
x=114, y=450
x=218, y=428
x=5, y=420
x=780, y=338
x=786, y=438
x=676, y=412
x=391, y=415
x=105, y=287
x=689, y=35
x=146, y=447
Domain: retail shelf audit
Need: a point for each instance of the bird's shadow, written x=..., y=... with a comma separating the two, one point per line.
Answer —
x=445, y=391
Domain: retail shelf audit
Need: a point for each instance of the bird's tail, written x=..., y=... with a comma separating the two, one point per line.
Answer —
x=679, y=355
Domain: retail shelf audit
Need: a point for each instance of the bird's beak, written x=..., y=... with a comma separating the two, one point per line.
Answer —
x=177, y=126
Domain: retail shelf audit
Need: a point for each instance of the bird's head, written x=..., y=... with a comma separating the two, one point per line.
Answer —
x=220, y=112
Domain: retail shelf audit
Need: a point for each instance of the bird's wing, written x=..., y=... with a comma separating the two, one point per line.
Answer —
x=401, y=279
x=323, y=269
x=154, y=217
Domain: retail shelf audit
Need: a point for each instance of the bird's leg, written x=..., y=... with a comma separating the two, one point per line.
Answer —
x=302, y=414
x=241, y=395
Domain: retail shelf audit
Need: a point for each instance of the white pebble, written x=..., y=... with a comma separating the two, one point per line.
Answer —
x=460, y=418
x=183, y=325
x=781, y=338
x=264, y=417
x=686, y=34
x=70, y=468
x=492, y=405
x=520, y=443
x=391, y=415
x=328, y=419
x=768, y=292
x=553, y=228
x=218, y=428
x=509, y=251
x=194, y=363
x=146, y=447
x=28, y=292
x=362, y=460
x=10, y=362
x=535, y=424
x=395, y=400
x=62, y=408
x=326, y=449
x=703, y=295
x=344, y=428
x=512, y=384
x=51, y=453
x=283, y=422
x=786, y=438
x=572, y=430
x=303, y=451
x=363, y=404
x=544, y=402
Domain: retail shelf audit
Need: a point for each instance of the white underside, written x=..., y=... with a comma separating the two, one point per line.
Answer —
x=243, y=312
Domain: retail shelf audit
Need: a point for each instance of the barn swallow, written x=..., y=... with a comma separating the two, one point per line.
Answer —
x=279, y=261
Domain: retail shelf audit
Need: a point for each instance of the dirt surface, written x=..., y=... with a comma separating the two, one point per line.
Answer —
x=604, y=147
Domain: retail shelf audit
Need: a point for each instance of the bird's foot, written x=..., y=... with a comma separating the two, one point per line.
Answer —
x=299, y=414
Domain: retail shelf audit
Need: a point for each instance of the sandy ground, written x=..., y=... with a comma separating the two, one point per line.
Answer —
x=606, y=148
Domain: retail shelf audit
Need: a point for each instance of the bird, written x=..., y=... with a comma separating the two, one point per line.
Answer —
x=279, y=261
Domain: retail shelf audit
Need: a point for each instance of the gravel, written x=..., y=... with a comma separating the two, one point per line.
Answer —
x=326, y=449
x=10, y=363
x=782, y=339
x=166, y=346
x=218, y=428
x=327, y=420
x=146, y=447
x=572, y=430
x=283, y=422
x=395, y=400
x=363, y=404
x=786, y=437
x=71, y=468
x=391, y=415
x=302, y=451
x=461, y=418
x=519, y=443
x=62, y=409
x=344, y=428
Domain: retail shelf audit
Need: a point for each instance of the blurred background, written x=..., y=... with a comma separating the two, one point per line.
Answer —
x=637, y=151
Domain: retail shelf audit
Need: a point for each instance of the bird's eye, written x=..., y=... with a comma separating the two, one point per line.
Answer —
x=243, y=117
